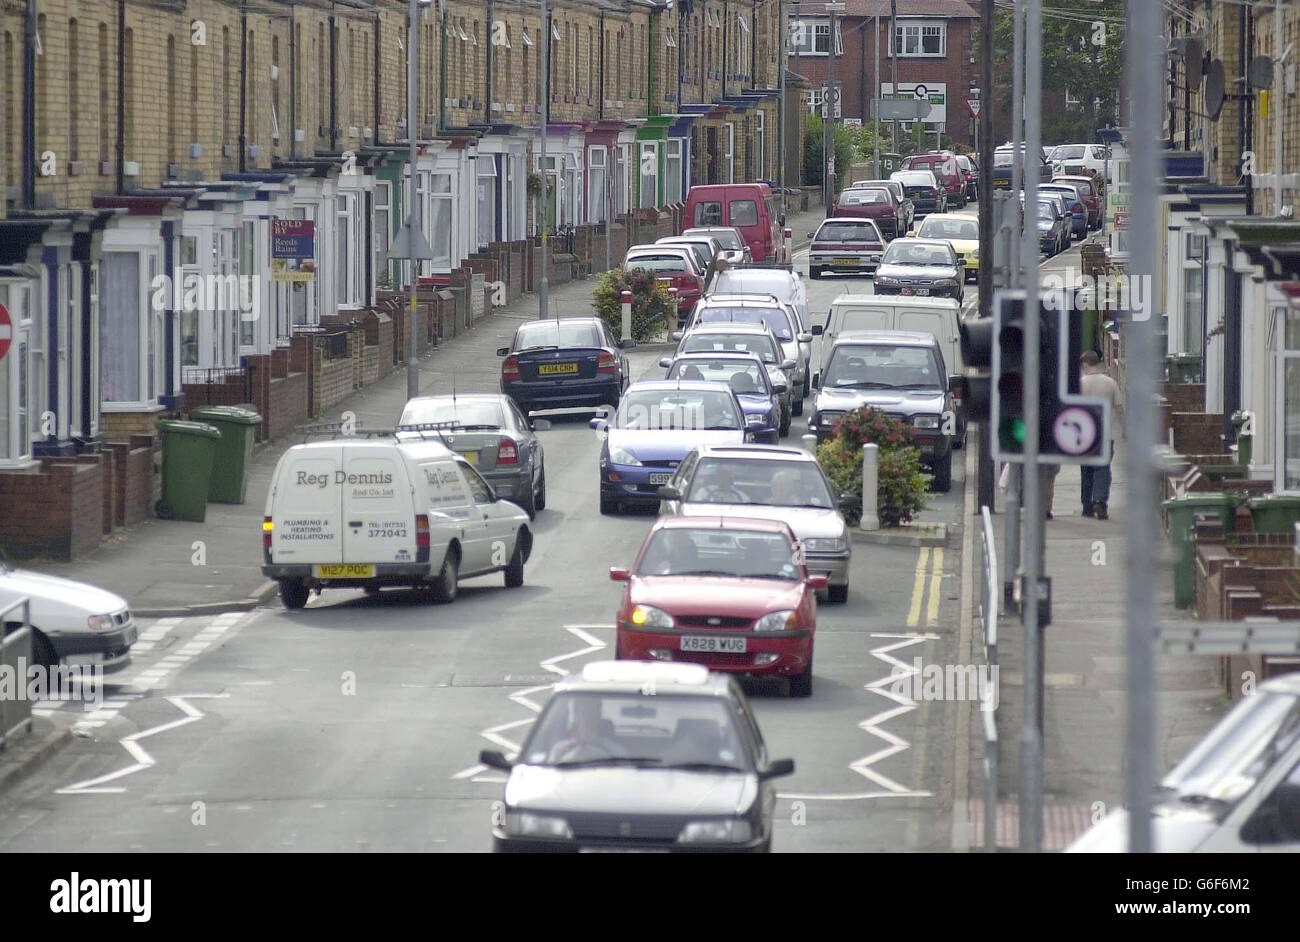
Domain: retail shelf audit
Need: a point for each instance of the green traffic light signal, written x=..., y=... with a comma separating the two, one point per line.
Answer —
x=1018, y=430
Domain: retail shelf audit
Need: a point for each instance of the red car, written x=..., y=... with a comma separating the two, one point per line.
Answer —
x=676, y=265
x=1091, y=196
x=730, y=593
x=879, y=204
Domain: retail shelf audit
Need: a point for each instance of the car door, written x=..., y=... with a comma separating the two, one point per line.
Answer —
x=495, y=536
x=530, y=446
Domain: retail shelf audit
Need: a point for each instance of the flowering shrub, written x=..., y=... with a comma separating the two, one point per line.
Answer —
x=868, y=424
x=901, y=482
x=651, y=303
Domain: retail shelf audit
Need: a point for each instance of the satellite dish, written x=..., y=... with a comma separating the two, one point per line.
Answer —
x=1195, y=61
x=1260, y=71
x=1214, y=90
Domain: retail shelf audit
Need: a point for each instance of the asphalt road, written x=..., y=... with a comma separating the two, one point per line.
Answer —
x=355, y=724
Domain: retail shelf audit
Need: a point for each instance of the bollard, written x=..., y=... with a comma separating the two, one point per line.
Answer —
x=676, y=308
x=785, y=244
x=627, y=315
x=870, y=493
x=810, y=445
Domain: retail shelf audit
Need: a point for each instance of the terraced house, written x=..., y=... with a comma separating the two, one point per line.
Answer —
x=158, y=158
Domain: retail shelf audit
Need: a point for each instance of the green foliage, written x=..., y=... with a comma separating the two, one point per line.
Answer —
x=871, y=425
x=846, y=139
x=902, y=484
x=652, y=304
x=844, y=468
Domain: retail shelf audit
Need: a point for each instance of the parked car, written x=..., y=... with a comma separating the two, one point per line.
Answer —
x=1237, y=791
x=770, y=482
x=640, y=756
x=757, y=389
x=678, y=265
x=901, y=373
x=1078, y=209
x=566, y=363
x=655, y=425
x=970, y=173
x=943, y=164
x=1003, y=166
x=1053, y=227
x=782, y=283
x=490, y=432
x=751, y=337
x=732, y=593
x=961, y=232
x=921, y=268
x=900, y=194
x=874, y=203
x=1091, y=193
x=369, y=513
x=925, y=192
x=750, y=207
x=706, y=248
x=844, y=245
x=1079, y=159
x=73, y=623
x=1062, y=204
x=734, y=247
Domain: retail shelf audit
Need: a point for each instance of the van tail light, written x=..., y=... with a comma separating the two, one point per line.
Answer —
x=935, y=192
x=268, y=529
x=507, y=453
x=421, y=538
x=510, y=368
x=605, y=363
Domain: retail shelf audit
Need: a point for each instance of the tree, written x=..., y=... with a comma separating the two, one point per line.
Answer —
x=813, y=159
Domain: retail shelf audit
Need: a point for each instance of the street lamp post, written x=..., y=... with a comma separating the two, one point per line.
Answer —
x=831, y=98
x=544, y=288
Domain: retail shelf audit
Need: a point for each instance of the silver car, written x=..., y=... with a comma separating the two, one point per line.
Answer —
x=787, y=287
x=492, y=434
x=756, y=338
x=734, y=247
x=770, y=482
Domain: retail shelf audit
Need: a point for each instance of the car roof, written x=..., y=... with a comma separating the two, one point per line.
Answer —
x=686, y=384
x=898, y=338
x=729, y=327
x=896, y=300
x=1286, y=683
x=636, y=677
x=651, y=248
x=734, y=298
x=910, y=240
x=853, y=220
x=717, y=355
x=757, y=452
x=958, y=216
x=560, y=320
x=736, y=522
x=457, y=397
x=422, y=449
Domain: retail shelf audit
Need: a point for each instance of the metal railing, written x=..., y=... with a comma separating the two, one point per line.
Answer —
x=990, y=599
x=561, y=238
x=16, y=656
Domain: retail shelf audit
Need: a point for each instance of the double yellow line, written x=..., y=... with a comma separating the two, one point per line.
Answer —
x=930, y=564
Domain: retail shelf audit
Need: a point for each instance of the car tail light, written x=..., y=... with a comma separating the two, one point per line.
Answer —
x=507, y=453
x=268, y=528
x=605, y=363
x=935, y=192
x=510, y=368
x=421, y=531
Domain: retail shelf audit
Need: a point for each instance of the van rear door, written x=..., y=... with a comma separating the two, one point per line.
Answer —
x=746, y=211
x=939, y=323
x=304, y=508
x=378, y=507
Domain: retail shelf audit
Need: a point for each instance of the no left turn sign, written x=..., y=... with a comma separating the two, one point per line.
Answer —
x=6, y=331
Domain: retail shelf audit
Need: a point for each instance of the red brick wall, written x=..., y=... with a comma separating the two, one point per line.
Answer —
x=1197, y=433
x=288, y=404
x=55, y=510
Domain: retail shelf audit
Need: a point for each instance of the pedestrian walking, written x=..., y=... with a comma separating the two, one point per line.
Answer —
x=1095, y=479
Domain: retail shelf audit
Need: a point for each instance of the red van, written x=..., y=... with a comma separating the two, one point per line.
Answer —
x=943, y=164
x=749, y=207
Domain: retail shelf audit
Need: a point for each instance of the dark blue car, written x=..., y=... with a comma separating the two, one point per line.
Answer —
x=566, y=363
x=748, y=379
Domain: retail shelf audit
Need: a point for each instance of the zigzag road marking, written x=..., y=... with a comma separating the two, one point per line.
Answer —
x=523, y=698
x=143, y=760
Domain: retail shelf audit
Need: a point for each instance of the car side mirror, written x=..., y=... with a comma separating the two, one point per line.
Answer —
x=618, y=574
x=817, y=330
x=816, y=381
x=539, y=425
x=599, y=423
x=495, y=759
x=805, y=338
x=811, y=234
x=956, y=384
x=666, y=362
x=777, y=768
x=788, y=364
x=666, y=492
x=961, y=262
x=627, y=344
x=503, y=351
x=779, y=388
x=818, y=581
x=677, y=334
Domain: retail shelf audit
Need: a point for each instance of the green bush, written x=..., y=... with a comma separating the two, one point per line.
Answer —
x=652, y=304
x=902, y=484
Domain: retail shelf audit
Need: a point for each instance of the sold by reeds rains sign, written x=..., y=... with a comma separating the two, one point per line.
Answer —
x=293, y=250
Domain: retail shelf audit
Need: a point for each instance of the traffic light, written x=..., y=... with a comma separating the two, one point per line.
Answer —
x=977, y=354
x=1072, y=429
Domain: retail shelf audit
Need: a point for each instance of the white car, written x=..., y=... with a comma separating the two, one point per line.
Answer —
x=72, y=622
x=1078, y=159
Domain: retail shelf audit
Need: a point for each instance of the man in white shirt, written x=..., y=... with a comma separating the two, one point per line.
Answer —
x=1096, y=478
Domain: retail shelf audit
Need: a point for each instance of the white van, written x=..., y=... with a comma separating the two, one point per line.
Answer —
x=368, y=513
x=939, y=317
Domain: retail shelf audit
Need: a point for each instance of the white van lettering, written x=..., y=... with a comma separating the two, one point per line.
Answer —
x=383, y=477
x=306, y=479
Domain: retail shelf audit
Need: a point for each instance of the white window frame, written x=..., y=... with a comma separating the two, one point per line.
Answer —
x=597, y=164
x=481, y=161
x=760, y=145
x=815, y=36
x=17, y=452
x=917, y=29
x=149, y=323
x=674, y=164
x=653, y=148
x=815, y=101
x=729, y=138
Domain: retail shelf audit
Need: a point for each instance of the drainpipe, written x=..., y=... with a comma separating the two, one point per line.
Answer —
x=487, y=91
x=600, y=112
x=29, y=108
x=753, y=47
x=334, y=134
x=1243, y=137
x=293, y=85
x=650, y=66
x=442, y=83
x=243, y=86
x=681, y=58
x=375, y=77
x=726, y=28
x=121, y=95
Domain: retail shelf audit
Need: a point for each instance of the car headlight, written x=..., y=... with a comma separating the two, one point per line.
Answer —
x=886, y=280
x=946, y=283
x=730, y=831
x=925, y=421
x=777, y=621
x=826, y=544
x=623, y=456
x=647, y=616
x=527, y=824
x=100, y=622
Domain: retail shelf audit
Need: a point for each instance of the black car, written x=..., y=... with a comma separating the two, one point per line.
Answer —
x=640, y=756
x=566, y=363
x=921, y=268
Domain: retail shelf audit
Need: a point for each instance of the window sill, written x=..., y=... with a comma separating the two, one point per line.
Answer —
x=111, y=407
x=19, y=464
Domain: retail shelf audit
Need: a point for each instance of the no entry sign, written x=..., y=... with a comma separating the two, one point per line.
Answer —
x=6, y=331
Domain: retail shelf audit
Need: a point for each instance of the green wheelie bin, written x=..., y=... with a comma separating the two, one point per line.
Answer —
x=238, y=428
x=188, y=452
x=1275, y=513
x=1182, y=524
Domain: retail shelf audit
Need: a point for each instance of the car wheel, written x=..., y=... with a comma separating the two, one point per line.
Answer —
x=785, y=425
x=796, y=408
x=294, y=593
x=838, y=594
x=801, y=684
x=42, y=651
x=444, y=587
x=529, y=503
x=807, y=384
x=608, y=506
x=943, y=475
x=540, y=501
x=515, y=570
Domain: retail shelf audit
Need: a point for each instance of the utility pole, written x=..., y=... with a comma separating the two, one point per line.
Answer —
x=413, y=71
x=1017, y=137
x=783, y=64
x=984, y=152
x=832, y=99
x=1143, y=74
x=893, y=66
x=1277, y=102
x=875, y=96
x=544, y=288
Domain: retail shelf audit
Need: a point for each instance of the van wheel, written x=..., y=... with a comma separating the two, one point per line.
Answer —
x=837, y=594
x=294, y=593
x=444, y=587
x=42, y=651
x=815, y=274
x=540, y=502
x=515, y=568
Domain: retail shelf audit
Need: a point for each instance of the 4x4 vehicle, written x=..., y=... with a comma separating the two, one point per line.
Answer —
x=943, y=164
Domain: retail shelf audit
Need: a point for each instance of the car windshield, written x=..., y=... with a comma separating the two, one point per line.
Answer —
x=1227, y=763
x=916, y=179
x=744, y=376
x=759, y=481
x=882, y=367
x=461, y=413
x=846, y=232
x=1046, y=210
x=695, y=409
x=1003, y=158
x=1068, y=152
x=664, y=731
x=547, y=334
x=711, y=551
x=732, y=281
x=917, y=253
x=657, y=262
x=753, y=343
x=774, y=317
x=935, y=228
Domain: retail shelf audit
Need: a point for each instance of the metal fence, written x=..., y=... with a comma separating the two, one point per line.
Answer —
x=15, y=657
x=212, y=387
x=561, y=239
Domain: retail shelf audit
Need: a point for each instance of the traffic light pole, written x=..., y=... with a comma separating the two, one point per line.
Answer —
x=984, y=150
